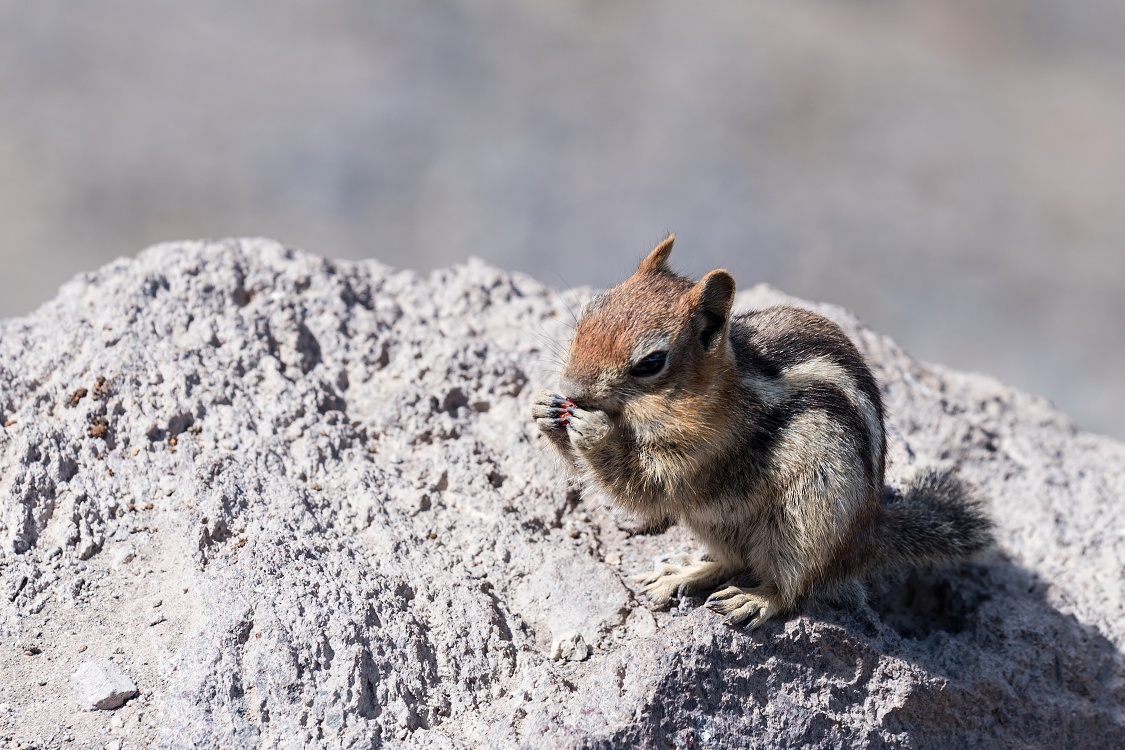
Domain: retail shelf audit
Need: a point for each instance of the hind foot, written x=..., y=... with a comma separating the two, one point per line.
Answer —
x=681, y=572
x=757, y=604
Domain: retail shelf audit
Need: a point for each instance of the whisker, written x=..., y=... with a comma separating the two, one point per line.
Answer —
x=570, y=289
x=553, y=350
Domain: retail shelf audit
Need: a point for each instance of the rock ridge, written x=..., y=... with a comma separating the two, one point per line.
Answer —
x=324, y=476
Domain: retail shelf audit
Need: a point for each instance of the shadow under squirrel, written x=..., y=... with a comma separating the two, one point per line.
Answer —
x=762, y=432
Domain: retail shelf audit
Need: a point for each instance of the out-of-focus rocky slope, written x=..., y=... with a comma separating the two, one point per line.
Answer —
x=300, y=503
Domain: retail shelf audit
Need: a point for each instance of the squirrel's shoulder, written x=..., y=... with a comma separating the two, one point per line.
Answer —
x=786, y=335
x=781, y=339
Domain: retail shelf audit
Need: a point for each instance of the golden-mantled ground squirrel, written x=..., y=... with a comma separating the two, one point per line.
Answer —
x=762, y=432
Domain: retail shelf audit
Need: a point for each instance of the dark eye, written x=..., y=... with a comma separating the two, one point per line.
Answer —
x=650, y=365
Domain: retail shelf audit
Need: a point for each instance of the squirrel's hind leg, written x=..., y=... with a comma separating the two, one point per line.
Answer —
x=759, y=603
x=682, y=571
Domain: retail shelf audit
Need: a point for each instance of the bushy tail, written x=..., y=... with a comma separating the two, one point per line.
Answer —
x=937, y=520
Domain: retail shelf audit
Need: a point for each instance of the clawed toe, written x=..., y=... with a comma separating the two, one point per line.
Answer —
x=723, y=593
x=739, y=605
x=651, y=577
x=660, y=589
x=550, y=424
x=672, y=565
x=551, y=411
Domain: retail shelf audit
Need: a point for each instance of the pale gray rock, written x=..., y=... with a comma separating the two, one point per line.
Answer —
x=123, y=557
x=328, y=476
x=100, y=685
x=570, y=647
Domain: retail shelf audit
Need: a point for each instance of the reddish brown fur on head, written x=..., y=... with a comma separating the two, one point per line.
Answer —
x=654, y=308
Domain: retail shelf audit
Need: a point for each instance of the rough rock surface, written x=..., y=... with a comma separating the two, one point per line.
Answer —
x=325, y=474
x=101, y=685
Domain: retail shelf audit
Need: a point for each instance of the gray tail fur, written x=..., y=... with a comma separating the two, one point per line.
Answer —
x=937, y=520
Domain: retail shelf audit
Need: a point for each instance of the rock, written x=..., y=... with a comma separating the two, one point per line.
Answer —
x=369, y=555
x=642, y=623
x=124, y=556
x=570, y=647
x=101, y=685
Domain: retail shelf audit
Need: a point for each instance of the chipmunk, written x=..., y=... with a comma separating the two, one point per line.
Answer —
x=762, y=432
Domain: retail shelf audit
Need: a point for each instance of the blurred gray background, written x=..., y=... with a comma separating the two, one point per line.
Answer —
x=954, y=172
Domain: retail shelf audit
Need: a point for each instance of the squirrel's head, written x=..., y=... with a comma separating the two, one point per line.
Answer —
x=656, y=334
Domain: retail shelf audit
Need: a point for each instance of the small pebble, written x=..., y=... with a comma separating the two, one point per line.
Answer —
x=82, y=648
x=156, y=618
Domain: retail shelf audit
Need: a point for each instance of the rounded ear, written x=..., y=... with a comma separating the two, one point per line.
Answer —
x=711, y=300
x=657, y=260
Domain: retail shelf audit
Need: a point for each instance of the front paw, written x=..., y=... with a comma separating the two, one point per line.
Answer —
x=551, y=413
x=588, y=428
